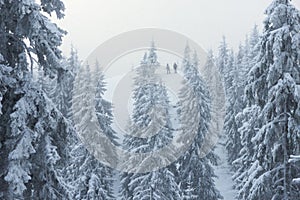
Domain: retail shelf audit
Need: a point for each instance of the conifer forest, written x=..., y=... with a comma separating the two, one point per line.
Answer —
x=222, y=123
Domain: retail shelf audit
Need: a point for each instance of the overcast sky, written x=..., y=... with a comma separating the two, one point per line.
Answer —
x=91, y=22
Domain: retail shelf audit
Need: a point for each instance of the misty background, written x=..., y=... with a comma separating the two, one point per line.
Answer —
x=91, y=22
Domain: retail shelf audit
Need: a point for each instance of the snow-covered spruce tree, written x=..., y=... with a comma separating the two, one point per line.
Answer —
x=105, y=119
x=88, y=176
x=152, y=56
x=209, y=71
x=76, y=151
x=228, y=70
x=235, y=76
x=103, y=107
x=87, y=179
x=223, y=55
x=212, y=76
x=7, y=83
x=40, y=131
x=273, y=87
x=234, y=105
x=97, y=177
x=249, y=122
x=60, y=88
x=47, y=84
x=91, y=179
x=74, y=64
x=246, y=58
x=74, y=61
x=69, y=172
x=60, y=91
x=150, y=118
x=217, y=93
x=33, y=130
x=158, y=184
x=225, y=63
x=247, y=117
x=196, y=172
x=252, y=49
x=64, y=86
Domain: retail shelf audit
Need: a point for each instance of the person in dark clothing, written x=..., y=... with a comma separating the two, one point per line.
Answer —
x=175, y=68
x=168, y=69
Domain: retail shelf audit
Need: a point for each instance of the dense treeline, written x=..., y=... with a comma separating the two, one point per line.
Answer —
x=41, y=156
x=262, y=120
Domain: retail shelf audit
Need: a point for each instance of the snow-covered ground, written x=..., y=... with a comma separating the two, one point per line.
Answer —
x=117, y=185
x=224, y=182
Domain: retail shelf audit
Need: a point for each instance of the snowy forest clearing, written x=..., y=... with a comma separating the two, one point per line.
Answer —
x=59, y=139
x=224, y=181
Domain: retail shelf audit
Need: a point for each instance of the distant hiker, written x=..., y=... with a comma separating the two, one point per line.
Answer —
x=168, y=69
x=175, y=68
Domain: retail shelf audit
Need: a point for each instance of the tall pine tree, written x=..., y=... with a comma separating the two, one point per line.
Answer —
x=196, y=172
x=33, y=130
x=150, y=118
x=273, y=88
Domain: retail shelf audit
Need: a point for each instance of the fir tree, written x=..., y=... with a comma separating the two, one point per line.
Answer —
x=91, y=179
x=33, y=130
x=246, y=118
x=150, y=117
x=196, y=173
x=103, y=107
x=222, y=61
x=234, y=105
x=213, y=79
x=272, y=87
x=152, y=56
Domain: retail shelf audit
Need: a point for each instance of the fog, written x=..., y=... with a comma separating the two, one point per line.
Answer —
x=91, y=22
